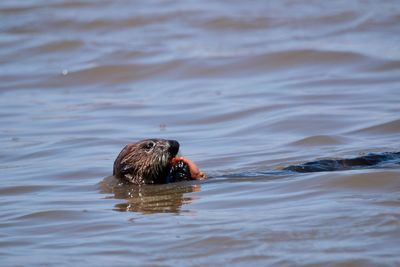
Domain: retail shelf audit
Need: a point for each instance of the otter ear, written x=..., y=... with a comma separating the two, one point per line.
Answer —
x=129, y=173
x=127, y=169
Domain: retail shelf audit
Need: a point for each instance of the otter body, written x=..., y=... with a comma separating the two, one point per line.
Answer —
x=155, y=161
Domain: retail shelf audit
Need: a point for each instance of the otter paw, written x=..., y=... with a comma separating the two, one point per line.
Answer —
x=194, y=171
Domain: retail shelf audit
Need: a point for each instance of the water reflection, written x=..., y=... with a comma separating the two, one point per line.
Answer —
x=166, y=198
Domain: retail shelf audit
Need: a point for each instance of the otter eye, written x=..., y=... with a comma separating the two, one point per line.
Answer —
x=148, y=146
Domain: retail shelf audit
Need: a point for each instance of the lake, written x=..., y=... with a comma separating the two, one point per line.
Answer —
x=247, y=88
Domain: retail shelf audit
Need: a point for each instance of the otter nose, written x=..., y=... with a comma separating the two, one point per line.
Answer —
x=173, y=147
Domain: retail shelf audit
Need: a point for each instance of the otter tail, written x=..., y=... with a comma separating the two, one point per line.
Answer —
x=369, y=160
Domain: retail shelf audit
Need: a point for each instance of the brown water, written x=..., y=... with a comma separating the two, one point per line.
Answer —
x=246, y=88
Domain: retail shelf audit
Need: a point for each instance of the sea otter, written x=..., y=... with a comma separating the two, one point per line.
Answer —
x=154, y=161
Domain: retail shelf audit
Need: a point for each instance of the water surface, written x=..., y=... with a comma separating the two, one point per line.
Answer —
x=246, y=88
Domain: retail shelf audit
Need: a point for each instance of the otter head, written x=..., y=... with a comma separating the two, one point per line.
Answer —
x=146, y=162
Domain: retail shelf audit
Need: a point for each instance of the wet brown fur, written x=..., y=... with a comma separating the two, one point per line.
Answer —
x=145, y=162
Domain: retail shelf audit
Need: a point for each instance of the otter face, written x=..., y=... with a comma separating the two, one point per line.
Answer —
x=146, y=162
